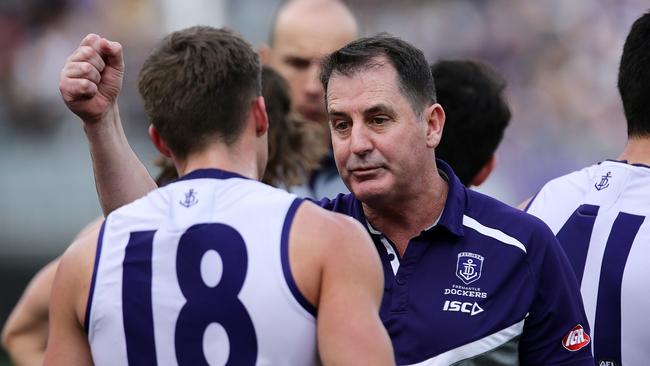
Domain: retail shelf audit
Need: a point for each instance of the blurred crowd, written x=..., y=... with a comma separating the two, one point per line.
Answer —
x=37, y=35
x=560, y=59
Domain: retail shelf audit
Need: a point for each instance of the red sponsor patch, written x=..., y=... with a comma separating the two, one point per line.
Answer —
x=576, y=339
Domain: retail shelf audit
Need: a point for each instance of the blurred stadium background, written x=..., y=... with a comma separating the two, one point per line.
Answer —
x=560, y=59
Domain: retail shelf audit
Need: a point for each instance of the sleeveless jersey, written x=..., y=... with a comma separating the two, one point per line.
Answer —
x=599, y=215
x=197, y=273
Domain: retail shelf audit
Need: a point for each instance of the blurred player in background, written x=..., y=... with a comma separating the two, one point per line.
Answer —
x=295, y=147
x=476, y=116
x=202, y=260
x=600, y=215
x=303, y=32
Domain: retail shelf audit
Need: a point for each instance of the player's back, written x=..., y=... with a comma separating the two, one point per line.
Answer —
x=599, y=216
x=198, y=272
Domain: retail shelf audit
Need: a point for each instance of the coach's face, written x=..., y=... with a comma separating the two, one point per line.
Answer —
x=381, y=145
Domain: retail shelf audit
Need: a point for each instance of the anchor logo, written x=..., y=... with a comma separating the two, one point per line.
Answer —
x=604, y=181
x=190, y=199
x=469, y=267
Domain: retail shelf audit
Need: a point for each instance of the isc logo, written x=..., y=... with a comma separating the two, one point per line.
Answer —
x=464, y=307
x=576, y=339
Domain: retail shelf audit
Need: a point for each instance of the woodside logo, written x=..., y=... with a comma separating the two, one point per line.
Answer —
x=576, y=339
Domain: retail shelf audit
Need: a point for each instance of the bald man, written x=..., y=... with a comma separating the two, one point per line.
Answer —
x=303, y=32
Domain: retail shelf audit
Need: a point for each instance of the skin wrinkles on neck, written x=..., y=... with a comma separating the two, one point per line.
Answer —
x=407, y=216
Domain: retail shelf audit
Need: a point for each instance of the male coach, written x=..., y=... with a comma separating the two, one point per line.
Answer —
x=467, y=278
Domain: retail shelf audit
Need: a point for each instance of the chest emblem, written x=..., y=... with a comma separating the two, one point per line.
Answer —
x=468, y=267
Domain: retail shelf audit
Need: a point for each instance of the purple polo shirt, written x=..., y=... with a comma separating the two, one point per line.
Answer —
x=488, y=284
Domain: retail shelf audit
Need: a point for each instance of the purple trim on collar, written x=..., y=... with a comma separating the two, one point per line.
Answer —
x=452, y=215
x=625, y=162
x=210, y=173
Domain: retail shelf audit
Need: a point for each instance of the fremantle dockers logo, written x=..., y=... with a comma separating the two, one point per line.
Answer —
x=468, y=267
x=604, y=181
x=190, y=199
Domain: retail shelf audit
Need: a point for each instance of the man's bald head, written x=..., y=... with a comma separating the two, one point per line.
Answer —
x=304, y=31
x=294, y=12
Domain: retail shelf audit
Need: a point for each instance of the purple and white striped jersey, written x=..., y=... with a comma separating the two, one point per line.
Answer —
x=599, y=216
x=197, y=273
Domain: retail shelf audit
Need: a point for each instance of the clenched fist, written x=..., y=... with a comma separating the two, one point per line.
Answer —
x=92, y=78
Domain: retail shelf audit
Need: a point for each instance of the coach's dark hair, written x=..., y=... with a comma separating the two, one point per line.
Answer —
x=416, y=82
x=476, y=114
x=198, y=85
x=634, y=77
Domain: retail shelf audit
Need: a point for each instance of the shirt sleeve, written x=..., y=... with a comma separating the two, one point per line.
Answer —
x=556, y=331
x=342, y=203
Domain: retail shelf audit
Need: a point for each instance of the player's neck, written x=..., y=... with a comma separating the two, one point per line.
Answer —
x=637, y=151
x=233, y=159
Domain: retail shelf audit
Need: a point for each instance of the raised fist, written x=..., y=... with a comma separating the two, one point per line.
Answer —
x=92, y=78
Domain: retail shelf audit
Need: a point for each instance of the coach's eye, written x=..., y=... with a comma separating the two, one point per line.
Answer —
x=379, y=120
x=340, y=125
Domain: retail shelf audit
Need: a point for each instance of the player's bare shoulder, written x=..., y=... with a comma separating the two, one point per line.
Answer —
x=329, y=229
x=323, y=240
x=76, y=267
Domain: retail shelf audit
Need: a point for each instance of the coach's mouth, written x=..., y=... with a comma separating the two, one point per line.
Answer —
x=365, y=172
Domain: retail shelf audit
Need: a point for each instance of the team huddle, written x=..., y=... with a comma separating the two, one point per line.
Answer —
x=258, y=248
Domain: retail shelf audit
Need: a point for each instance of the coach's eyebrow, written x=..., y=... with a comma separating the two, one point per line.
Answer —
x=334, y=113
x=379, y=109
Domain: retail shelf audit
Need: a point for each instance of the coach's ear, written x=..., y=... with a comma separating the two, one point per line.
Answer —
x=435, y=118
x=158, y=142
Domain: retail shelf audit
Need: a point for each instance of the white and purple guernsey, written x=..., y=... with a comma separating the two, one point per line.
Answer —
x=599, y=215
x=197, y=273
x=486, y=285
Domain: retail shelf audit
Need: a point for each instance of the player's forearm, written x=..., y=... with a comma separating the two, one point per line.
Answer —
x=119, y=176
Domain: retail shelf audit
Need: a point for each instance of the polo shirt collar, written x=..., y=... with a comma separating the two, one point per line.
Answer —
x=452, y=214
